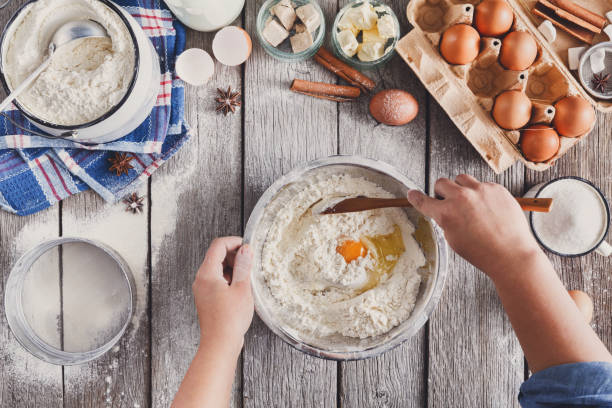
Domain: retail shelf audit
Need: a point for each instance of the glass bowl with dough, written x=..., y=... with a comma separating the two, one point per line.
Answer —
x=343, y=286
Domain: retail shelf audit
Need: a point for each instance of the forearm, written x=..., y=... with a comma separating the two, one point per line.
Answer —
x=208, y=382
x=548, y=324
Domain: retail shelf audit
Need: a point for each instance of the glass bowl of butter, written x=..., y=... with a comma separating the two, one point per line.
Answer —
x=365, y=34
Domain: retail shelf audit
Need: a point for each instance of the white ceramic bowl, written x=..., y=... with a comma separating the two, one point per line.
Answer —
x=131, y=110
x=434, y=245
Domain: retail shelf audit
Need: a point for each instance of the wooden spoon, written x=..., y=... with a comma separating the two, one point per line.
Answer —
x=355, y=204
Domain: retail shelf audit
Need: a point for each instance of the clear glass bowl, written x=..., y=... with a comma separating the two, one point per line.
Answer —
x=429, y=235
x=283, y=52
x=354, y=61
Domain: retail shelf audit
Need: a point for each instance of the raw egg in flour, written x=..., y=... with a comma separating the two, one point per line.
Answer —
x=385, y=249
x=493, y=18
x=518, y=51
x=460, y=44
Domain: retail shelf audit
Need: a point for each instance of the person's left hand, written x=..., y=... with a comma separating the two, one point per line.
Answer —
x=222, y=291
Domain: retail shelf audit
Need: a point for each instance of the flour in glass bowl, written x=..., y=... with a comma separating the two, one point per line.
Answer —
x=316, y=291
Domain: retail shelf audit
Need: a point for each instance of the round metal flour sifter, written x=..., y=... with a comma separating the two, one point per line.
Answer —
x=69, y=300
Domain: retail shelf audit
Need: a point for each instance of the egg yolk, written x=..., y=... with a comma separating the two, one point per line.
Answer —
x=351, y=250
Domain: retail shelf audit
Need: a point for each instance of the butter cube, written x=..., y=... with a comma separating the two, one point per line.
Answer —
x=363, y=17
x=348, y=42
x=386, y=26
x=301, y=41
x=370, y=51
x=309, y=16
x=345, y=23
x=372, y=36
x=274, y=33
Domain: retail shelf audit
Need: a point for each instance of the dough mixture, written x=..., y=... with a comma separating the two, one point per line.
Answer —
x=355, y=274
x=86, y=77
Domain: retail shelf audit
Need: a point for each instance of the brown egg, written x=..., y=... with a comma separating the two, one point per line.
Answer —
x=583, y=302
x=512, y=109
x=493, y=18
x=518, y=51
x=574, y=116
x=393, y=107
x=539, y=143
x=460, y=44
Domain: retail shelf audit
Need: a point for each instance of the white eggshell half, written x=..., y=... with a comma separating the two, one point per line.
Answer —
x=195, y=66
x=232, y=46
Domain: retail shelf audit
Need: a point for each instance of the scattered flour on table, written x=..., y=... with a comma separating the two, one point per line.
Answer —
x=316, y=291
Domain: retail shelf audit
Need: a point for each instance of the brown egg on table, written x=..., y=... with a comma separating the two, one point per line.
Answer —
x=512, y=110
x=539, y=143
x=574, y=116
x=460, y=44
x=583, y=302
x=393, y=107
x=518, y=51
x=493, y=18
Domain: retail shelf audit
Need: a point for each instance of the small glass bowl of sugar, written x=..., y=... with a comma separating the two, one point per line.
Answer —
x=578, y=221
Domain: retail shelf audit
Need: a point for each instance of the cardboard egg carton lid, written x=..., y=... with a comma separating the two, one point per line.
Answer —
x=467, y=92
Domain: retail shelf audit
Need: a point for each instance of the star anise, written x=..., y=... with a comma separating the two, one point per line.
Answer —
x=600, y=81
x=120, y=163
x=134, y=203
x=227, y=101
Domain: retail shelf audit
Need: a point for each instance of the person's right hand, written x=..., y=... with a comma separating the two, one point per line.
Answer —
x=482, y=222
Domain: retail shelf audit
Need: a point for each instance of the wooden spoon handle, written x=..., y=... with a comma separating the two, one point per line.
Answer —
x=535, y=204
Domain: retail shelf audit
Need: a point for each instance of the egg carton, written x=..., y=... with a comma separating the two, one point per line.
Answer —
x=467, y=92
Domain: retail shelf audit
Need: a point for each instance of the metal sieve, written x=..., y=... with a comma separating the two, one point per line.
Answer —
x=69, y=300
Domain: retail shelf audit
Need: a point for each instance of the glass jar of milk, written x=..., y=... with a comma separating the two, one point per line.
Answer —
x=578, y=220
x=206, y=15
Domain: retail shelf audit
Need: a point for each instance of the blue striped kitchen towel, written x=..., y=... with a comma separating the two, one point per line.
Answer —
x=37, y=172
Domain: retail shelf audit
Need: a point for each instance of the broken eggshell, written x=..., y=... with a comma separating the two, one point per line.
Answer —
x=195, y=66
x=232, y=46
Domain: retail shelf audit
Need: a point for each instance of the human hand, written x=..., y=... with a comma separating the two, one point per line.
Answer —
x=223, y=297
x=482, y=222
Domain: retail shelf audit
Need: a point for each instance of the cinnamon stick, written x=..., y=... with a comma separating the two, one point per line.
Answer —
x=322, y=90
x=582, y=13
x=350, y=75
x=571, y=24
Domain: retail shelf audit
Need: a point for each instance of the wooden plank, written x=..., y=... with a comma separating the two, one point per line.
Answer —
x=589, y=159
x=474, y=357
x=122, y=376
x=398, y=377
x=283, y=130
x=196, y=197
x=25, y=381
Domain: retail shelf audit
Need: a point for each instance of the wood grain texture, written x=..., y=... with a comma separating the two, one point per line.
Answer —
x=122, y=376
x=283, y=130
x=196, y=197
x=589, y=159
x=25, y=381
x=474, y=357
x=396, y=378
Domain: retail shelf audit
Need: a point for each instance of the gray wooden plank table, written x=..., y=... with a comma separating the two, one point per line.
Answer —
x=465, y=356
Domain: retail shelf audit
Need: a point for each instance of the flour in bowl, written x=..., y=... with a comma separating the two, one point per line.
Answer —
x=86, y=78
x=355, y=274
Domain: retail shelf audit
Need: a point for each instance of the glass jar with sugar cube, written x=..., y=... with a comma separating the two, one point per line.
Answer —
x=365, y=34
x=290, y=30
